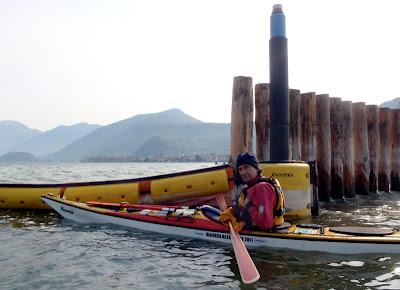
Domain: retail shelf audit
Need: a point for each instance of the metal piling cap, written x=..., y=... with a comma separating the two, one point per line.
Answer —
x=277, y=8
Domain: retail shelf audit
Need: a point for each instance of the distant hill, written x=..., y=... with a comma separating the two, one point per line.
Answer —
x=165, y=133
x=13, y=133
x=157, y=146
x=188, y=139
x=18, y=157
x=54, y=140
x=392, y=104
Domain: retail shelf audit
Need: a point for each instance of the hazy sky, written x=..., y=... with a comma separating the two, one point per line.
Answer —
x=64, y=62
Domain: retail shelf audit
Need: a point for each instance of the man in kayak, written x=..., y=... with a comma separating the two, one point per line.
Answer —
x=260, y=204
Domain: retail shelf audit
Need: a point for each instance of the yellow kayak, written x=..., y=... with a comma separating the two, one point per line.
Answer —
x=294, y=178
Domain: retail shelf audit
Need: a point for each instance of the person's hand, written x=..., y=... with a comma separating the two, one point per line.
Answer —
x=228, y=217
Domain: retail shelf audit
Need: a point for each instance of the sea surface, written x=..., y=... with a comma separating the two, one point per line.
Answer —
x=41, y=250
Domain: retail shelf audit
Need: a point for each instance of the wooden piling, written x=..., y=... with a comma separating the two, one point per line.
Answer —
x=337, y=155
x=384, y=149
x=373, y=138
x=308, y=138
x=348, y=155
x=323, y=146
x=242, y=116
x=395, y=156
x=295, y=125
x=361, y=151
x=262, y=122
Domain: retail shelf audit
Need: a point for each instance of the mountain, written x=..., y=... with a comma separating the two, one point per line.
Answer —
x=392, y=104
x=157, y=146
x=54, y=140
x=18, y=157
x=188, y=139
x=165, y=133
x=13, y=133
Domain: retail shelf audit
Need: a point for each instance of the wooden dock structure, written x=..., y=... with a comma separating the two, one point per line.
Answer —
x=356, y=146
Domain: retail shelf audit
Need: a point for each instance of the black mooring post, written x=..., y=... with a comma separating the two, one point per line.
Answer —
x=314, y=183
x=279, y=87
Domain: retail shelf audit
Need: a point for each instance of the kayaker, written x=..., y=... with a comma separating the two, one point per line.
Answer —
x=260, y=204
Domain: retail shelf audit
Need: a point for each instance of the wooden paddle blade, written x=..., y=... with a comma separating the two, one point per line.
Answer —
x=221, y=201
x=247, y=269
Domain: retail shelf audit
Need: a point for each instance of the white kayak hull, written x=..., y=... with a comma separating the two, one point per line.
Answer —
x=337, y=244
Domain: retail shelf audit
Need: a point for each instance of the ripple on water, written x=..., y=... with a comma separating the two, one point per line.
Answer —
x=61, y=172
x=386, y=281
x=347, y=263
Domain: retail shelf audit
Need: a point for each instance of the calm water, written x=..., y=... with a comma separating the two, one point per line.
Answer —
x=40, y=250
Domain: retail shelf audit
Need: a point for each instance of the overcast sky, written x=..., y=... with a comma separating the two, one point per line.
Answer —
x=64, y=62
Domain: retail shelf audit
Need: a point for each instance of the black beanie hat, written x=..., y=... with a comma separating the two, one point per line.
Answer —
x=246, y=158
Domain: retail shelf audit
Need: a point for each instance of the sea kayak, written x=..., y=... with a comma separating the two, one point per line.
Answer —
x=178, y=186
x=203, y=223
x=192, y=187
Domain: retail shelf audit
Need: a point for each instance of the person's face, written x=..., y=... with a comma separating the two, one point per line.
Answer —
x=247, y=172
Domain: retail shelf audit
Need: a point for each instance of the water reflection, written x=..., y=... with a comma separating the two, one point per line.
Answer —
x=382, y=209
x=60, y=172
x=386, y=281
x=158, y=260
x=28, y=218
x=115, y=254
x=312, y=270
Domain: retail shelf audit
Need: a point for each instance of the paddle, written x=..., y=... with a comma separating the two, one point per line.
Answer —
x=247, y=269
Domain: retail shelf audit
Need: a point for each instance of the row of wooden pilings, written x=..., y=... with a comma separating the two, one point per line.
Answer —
x=356, y=146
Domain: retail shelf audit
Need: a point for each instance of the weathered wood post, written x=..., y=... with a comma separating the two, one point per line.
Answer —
x=384, y=149
x=348, y=156
x=262, y=121
x=336, y=124
x=308, y=138
x=323, y=137
x=242, y=116
x=373, y=137
x=395, y=158
x=295, y=125
x=361, y=152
